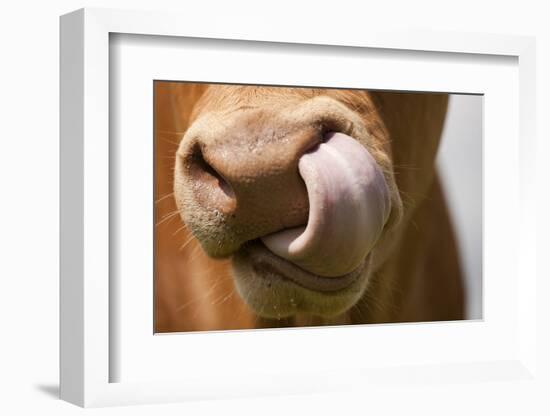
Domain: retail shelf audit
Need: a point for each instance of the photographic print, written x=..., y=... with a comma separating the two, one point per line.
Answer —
x=297, y=206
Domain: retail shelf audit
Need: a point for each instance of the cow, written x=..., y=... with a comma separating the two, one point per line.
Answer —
x=280, y=207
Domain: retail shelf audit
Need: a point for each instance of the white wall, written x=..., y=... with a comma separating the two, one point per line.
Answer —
x=460, y=164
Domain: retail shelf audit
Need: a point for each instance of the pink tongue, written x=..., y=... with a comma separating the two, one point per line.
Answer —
x=348, y=207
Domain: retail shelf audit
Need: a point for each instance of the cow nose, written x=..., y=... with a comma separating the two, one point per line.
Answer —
x=252, y=177
x=212, y=188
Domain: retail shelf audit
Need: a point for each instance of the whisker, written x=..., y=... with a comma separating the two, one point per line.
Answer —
x=195, y=252
x=164, y=197
x=202, y=298
x=218, y=281
x=167, y=217
x=191, y=238
x=224, y=298
x=170, y=132
x=164, y=139
x=179, y=229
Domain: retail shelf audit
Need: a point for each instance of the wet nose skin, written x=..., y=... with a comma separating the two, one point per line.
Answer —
x=251, y=176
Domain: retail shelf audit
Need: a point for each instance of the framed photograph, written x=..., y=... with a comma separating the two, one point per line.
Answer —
x=290, y=212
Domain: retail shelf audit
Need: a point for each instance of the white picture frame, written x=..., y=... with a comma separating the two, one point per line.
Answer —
x=87, y=308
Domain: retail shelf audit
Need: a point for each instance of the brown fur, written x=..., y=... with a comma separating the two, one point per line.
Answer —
x=415, y=275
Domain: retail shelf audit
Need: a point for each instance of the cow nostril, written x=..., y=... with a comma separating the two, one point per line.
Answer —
x=213, y=184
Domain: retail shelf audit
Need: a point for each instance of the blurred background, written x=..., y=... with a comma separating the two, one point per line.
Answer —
x=459, y=162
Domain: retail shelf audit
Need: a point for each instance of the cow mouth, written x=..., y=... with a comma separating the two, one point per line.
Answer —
x=272, y=268
x=323, y=263
x=276, y=288
x=349, y=205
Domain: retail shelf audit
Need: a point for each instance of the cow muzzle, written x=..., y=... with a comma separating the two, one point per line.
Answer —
x=314, y=198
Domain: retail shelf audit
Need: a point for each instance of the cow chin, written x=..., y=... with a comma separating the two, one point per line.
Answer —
x=275, y=288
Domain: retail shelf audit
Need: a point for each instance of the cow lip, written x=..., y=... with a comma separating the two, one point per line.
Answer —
x=266, y=263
